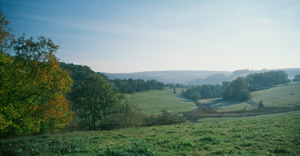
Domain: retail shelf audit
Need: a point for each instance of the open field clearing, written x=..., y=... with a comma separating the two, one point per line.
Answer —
x=273, y=134
x=278, y=96
x=156, y=100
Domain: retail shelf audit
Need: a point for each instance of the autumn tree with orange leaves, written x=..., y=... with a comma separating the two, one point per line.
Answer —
x=32, y=86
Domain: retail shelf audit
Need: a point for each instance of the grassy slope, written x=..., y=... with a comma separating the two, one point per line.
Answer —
x=273, y=134
x=278, y=96
x=156, y=100
x=259, y=135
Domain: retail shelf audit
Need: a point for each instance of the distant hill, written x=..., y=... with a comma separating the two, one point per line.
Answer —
x=195, y=77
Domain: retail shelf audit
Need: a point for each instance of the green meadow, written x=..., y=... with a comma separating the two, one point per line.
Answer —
x=274, y=134
x=271, y=134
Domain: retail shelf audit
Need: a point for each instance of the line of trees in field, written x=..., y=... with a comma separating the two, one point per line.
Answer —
x=202, y=92
x=260, y=81
x=238, y=89
x=131, y=86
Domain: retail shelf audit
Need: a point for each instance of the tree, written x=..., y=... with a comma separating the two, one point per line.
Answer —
x=243, y=95
x=236, y=90
x=32, y=88
x=195, y=96
x=174, y=90
x=259, y=81
x=296, y=78
x=5, y=33
x=78, y=73
x=94, y=100
x=206, y=92
x=127, y=115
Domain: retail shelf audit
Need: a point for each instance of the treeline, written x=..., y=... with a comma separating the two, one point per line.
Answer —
x=260, y=81
x=202, y=92
x=131, y=86
x=238, y=89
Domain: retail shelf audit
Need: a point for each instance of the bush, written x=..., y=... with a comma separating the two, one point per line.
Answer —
x=261, y=104
x=128, y=115
x=165, y=119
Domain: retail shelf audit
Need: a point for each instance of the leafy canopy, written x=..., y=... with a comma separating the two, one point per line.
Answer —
x=32, y=86
x=94, y=100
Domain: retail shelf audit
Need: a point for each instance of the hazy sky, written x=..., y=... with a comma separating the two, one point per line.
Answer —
x=139, y=35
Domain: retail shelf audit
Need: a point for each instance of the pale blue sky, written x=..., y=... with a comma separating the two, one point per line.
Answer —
x=131, y=36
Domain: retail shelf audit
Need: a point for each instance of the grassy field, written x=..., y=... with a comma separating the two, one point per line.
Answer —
x=274, y=134
x=279, y=96
x=269, y=134
x=156, y=100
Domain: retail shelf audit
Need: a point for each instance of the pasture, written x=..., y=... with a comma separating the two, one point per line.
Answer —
x=287, y=95
x=273, y=134
x=156, y=100
x=268, y=134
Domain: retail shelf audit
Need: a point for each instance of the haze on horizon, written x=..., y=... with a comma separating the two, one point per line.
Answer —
x=132, y=36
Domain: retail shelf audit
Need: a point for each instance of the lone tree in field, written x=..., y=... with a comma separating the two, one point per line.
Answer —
x=94, y=100
x=296, y=78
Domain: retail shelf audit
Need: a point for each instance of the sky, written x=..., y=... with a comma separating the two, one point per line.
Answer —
x=122, y=36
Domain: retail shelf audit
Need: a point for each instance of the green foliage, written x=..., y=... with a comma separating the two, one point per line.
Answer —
x=44, y=145
x=32, y=89
x=296, y=78
x=261, y=104
x=94, y=100
x=166, y=118
x=237, y=90
x=195, y=96
x=203, y=92
x=127, y=115
x=131, y=86
x=6, y=35
x=259, y=81
x=78, y=73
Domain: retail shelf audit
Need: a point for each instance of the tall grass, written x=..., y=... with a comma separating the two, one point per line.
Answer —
x=273, y=134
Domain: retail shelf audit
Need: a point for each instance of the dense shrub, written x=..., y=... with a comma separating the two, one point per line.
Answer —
x=128, y=115
x=165, y=119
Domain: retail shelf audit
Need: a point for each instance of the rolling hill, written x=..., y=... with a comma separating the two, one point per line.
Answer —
x=194, y=77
